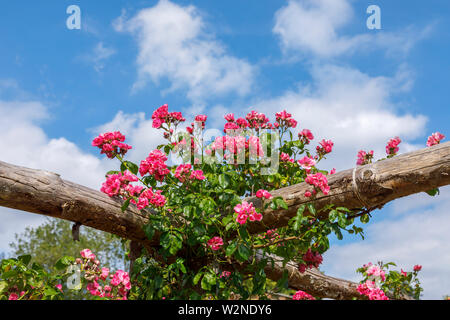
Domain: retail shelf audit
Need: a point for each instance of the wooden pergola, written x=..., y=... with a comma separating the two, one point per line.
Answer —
x=369, y=187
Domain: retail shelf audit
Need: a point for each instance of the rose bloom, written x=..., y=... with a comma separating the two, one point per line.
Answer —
x=215, y=243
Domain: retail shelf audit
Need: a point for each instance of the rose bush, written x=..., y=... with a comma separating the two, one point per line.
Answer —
x=199, y=211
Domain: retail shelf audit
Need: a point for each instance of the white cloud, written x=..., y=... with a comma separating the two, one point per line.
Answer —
x=23, y=142
x=312, y=27
x=418, y=236
x=174, y=44
x=350, y=108
x=98, y=56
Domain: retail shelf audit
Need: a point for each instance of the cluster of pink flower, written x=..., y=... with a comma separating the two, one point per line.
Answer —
x=111, y=144
x=257, y=120
x=307, y=163
x=435, y=138
x=284, y=119
x=233, y=124
x=119, y=184
x=261, y=193
x=238, y=144
x=119, y=282
x=318, y=180
x=375, y=271
x=202, y=119
x=246, y=211
x=183, y=172
x=155, y=165
x=162, y=115
x=286, y=158
x=326, y=146
x=302, y=295
x=392, y=146
x=215, y=243
x=370, y=290
x=311, y=259
x=148, y=196
x=225, y=274
x=270, y=234
x=305, y=136
x=364, y=157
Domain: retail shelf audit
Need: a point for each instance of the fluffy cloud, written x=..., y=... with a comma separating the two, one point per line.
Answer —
x=311, y=27
x=417, y=233
x=25, y=143
x=351, y=108
x=174, y=44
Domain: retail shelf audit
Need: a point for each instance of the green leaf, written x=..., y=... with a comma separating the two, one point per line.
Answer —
x=333, y=215
x=244, y=252
x=3, y=286
x=224, y=180
x=311, y=209
x=111, y=172
x=231, y=249
x=149, y=231
x=126, y=204
x=300, y=210
x=281, y=203
x=130, y=166
x=433, y=192
x=283, y=282
x=197, y=277
x=364, y=218
x=64, y=262
x=25, y=259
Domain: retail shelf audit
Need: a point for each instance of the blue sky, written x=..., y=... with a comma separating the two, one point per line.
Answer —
x=317, y=59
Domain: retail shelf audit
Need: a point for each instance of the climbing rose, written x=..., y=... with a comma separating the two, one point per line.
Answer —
x=149, y=196
x=215, y=243
x=364, y=157
x=286, y=157
x=181, y=171
x=87, y=254
x=435, y=138
x=318, y=180
x=417, y=267
x=301, y=295
x=392, y=146
x=326, y=146
x=246, y=210
x=229, y=117
x=305, y=136
x=307, y=163
x=225, y=274
x=116, y=184
x=369, y=289
x=263, y=193
x=155, y=165
x=197, y=174
x=111, y=144
x=13, y=296
x=376, y=271
x=311, y=259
